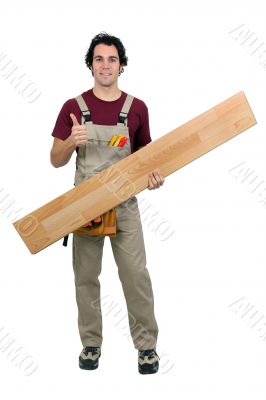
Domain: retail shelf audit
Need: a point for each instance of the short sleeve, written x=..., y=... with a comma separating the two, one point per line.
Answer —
x=63, y=125
x=142, y=135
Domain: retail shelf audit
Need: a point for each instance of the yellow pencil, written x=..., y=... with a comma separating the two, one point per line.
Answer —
x=111, y=143
x=117, y=140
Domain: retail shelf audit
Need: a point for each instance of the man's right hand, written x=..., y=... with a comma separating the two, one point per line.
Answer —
x=62, y=150
x=78, y=134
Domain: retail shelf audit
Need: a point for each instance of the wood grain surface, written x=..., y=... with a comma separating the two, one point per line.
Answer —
x=129, y=176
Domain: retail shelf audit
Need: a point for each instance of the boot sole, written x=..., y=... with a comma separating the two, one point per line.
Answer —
x=148, y=369
x=88, y=366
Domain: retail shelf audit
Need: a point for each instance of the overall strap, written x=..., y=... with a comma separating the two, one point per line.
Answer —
x=84, y=109
x=122, y=119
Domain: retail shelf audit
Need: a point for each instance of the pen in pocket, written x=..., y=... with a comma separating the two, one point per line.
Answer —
x=117, y=141
x=111, y=143
x=122, y=141
x=119, y=137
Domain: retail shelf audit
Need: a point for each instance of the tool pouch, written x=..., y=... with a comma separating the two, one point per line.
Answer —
x=106, y=227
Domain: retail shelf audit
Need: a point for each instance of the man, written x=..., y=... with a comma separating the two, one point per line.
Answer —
x=105, y=111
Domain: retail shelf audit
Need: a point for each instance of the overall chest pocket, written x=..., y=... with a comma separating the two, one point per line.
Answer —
x=105, y=135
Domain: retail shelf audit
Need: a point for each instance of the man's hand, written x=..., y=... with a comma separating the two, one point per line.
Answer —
x=78, y=132
x=155, y=180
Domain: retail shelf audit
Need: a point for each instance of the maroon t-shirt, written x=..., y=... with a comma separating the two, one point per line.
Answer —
x=106, y=113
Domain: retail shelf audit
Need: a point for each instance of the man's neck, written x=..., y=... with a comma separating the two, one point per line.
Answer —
x=106, y=93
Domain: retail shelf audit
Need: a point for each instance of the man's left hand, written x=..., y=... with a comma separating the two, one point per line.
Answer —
x=155, y=180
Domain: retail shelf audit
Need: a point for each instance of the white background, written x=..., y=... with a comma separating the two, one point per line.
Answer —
x=183, y=60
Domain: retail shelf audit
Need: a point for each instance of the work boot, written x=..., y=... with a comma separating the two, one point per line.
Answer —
x=89, y=357
x=148, y=361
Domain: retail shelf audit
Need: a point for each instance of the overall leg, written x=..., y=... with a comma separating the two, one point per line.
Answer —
x=87, y=263
x=129, y=253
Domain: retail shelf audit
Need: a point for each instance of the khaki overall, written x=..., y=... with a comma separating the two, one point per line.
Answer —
x=127, y=246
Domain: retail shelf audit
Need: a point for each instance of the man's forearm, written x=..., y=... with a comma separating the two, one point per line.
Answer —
x=61, y=152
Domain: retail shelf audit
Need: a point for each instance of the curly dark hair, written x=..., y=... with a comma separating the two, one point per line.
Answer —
x=105, y=38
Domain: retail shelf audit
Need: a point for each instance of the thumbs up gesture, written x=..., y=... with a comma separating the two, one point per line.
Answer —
x=78, y=132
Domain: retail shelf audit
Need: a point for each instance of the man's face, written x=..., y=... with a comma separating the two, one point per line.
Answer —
x=105, y=65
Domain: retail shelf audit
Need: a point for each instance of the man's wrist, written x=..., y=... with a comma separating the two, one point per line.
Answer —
x=70, y=146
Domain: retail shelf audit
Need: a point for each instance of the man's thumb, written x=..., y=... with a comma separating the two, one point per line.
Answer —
x=74, y=119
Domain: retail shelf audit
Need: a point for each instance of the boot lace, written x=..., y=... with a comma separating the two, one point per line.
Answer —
x=93, y=350
x=150, y=353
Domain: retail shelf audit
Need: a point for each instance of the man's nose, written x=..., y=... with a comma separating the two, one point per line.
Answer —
x=106, y=63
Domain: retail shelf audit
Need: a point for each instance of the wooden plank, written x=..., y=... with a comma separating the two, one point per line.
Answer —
x=129, y=176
